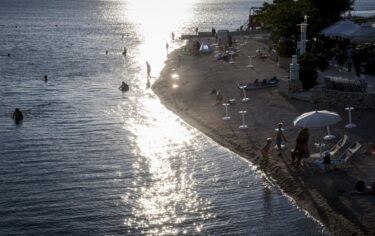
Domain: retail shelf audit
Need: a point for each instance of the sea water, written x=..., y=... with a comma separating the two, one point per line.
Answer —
x=91, y=160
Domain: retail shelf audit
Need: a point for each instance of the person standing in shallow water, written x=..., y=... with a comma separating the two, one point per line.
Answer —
x=266, y=149
x=17, y=116
x=148, y=70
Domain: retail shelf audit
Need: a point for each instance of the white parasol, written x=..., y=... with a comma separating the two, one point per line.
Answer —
x=315, y=119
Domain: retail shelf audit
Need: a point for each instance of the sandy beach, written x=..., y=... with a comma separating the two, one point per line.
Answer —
x=326, y=196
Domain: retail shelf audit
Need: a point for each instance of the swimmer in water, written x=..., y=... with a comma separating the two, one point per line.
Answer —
x=17, y=116
x=124, y=87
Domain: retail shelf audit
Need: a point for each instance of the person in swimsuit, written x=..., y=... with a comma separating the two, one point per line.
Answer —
x=280, y=137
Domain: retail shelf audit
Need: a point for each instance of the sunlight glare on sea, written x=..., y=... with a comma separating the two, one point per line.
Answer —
x=155, y=21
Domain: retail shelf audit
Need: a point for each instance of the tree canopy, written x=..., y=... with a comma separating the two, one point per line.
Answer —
x=283, y=16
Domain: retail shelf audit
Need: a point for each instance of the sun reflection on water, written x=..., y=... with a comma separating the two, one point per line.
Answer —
x=163, y=196
x=155, y=21
x=161, y=204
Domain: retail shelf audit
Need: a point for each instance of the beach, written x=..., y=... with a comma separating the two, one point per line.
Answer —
x=326, y=196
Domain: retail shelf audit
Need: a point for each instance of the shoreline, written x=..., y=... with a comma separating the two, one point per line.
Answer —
x=192, y=101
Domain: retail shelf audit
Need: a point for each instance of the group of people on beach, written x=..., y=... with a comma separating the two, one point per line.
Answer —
x=300, y=150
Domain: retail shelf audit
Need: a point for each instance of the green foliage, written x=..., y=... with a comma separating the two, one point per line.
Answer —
x=283, y=16
x=322, y=63
x=285, y=48
x=308, y=70
x=370, y=68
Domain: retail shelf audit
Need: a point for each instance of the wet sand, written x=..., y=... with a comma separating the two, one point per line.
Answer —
x=326, y=196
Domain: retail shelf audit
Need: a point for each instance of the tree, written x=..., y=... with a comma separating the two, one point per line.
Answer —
x=308, y=70
x=283, y=16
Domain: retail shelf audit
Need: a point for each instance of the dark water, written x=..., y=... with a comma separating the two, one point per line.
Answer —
x=90, y=160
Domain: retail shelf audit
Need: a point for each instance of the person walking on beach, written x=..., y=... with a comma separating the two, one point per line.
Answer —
x=298, y=152
x=304, y=136
x=279, y=137
x=148, y=70
x=266, y=149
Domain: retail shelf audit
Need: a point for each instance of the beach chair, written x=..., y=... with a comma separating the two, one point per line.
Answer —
x=342, y=161
x=334, y=149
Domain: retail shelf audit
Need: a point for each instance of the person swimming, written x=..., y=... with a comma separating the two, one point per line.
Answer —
x=45, y=78
x=124, y=87
x=17, y=116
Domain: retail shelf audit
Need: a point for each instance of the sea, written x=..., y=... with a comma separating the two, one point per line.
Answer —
x=91, y=160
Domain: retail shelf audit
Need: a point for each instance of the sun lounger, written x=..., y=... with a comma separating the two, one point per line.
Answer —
x=334, y=149
x=346, y=155
x=342, y=160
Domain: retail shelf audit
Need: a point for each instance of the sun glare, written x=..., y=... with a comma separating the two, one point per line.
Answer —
x=155, y=21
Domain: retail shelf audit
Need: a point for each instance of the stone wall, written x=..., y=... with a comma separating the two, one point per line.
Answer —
x=330, y=97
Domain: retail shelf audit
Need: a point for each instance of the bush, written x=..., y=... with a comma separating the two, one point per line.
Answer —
x=285, y=48
x=307, y=73
x=322, y=63
x=370, y=68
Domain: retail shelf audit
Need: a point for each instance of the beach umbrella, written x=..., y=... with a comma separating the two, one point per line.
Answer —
x=343, y=28
x=365, y=34
x=315, y=119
